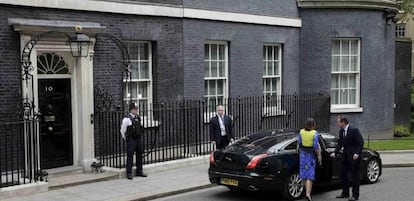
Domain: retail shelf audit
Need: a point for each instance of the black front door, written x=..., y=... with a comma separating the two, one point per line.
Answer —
x=56, y=123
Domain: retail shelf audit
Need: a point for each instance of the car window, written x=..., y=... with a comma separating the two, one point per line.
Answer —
x=331, y=141
x=292, y=146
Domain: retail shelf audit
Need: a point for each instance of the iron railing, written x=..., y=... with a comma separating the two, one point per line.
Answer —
x=19, y=153
x=179, y=129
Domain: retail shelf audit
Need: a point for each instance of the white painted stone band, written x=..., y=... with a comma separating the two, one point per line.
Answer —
x=157, y=10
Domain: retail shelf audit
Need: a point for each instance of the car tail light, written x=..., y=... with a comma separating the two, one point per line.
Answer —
x=255, y=160
x=212, y=161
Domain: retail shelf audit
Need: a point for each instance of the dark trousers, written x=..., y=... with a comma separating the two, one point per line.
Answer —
x=224, y=141
x=134, y=145
x=352, y=166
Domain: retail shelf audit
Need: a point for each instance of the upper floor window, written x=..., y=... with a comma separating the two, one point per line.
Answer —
x=345, y=84
x=400, y=30
x=139, y=88
x=272, y=78
x=215, y=74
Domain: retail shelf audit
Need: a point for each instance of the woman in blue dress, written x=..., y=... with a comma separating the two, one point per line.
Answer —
x=309, y=152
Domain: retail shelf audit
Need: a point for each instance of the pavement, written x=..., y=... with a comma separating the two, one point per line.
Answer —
x=166, y=183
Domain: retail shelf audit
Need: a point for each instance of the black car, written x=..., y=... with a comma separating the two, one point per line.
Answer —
x=269, y=161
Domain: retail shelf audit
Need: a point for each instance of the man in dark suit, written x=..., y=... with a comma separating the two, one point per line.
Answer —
x=351, y=141
x=221, y=129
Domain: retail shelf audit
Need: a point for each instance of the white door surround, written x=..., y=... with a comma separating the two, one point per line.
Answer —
x=81, y=76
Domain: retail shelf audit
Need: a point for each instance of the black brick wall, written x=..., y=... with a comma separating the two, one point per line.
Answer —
x=166, y=33
x=320, y=26
x=245, y=56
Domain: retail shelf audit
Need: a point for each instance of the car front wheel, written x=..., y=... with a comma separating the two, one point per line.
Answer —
x=372, y=171
x=294, y=187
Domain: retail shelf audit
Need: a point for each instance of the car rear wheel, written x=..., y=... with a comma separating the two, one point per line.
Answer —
x=372, y=171
x=294, y=187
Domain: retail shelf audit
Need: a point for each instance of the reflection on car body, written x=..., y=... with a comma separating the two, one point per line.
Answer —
x=269, y=161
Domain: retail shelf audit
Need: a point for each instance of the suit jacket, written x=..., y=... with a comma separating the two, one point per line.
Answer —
x=215, y=131
x=352, y=143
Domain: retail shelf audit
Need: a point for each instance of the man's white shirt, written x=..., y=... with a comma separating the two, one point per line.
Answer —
x=126, y=121
x=222, y=127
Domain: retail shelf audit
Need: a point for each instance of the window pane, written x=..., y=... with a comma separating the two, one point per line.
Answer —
x=134, y=70
x=214, y=52
x=143, y=105
x=143, y=90
x=206, y=87
x=214, y=69
x=345, y=47
x=206, y=52
x=335, y=63
x=143, y=51
x=344, y=96
x=276, y=72
x=335, y=82
x=352, y=81
x=335, y=96
x=207, y=69
x=212, y=87
x=269, y=68
x=221, y=52
x=133, y=51
x=335, y=47
x=276, y=50
x=269, y=53
x=274, y=85
x=267, y=85
x=264, y=53
x=344, y=64
x=220, y=100
x=352, y=96
x=126, y=89
x=344, y=82
x=220, y=87
x=264, y=68
x=354, y=47
x=222, y=68
x=134, y=89
x=354, y=63
x=144, y=73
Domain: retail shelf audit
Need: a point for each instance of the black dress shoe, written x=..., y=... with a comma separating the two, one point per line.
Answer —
x=129, y=177
x=352, y=199
x=141, y=174
x=342, y=196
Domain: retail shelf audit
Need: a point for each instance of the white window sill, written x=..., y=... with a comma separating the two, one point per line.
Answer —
x=150, y=123
x=347, y=110
x=273, y=112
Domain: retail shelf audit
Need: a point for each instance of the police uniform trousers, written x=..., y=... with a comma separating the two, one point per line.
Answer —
x=134, y=145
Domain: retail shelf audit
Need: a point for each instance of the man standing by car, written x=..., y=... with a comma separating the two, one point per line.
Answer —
x=131, y=131
x=351, y=141
x=221, y=129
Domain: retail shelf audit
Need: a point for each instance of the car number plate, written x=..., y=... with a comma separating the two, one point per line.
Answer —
x=229, y=182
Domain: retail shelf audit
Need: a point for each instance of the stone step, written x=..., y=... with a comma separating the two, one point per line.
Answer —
x=62, y=171
x=79, y=178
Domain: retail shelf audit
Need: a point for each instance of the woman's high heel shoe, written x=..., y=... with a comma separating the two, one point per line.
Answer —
x=308, y=198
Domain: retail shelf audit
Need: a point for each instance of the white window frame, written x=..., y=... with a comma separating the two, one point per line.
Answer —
x=268, y=111
x=210, y=114
x=147, y=119
x=400, y=29
x=345, y=108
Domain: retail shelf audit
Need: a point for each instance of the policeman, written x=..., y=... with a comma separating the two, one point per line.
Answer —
x=131, y=131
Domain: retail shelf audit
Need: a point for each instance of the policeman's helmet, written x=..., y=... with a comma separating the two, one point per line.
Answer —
x=133, y=106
